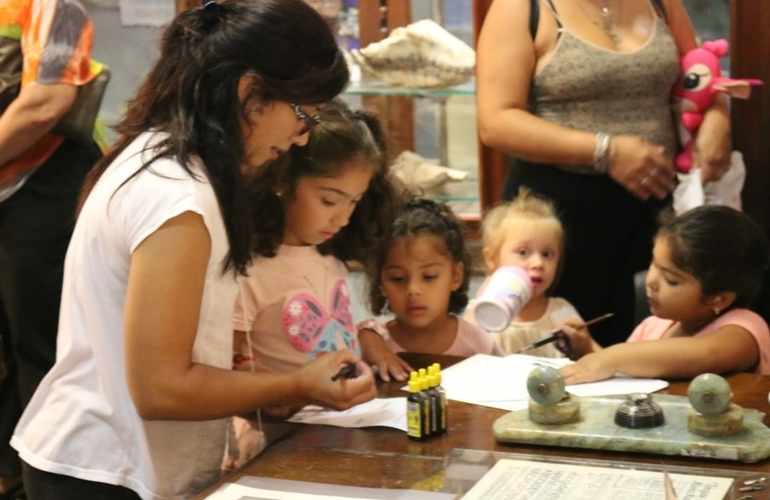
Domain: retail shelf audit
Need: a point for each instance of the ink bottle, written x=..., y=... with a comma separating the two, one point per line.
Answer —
x=435, y=401
x=430, y=403
x=414, y=410
x=434, y=372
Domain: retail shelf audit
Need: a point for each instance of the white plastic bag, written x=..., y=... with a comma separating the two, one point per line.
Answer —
x=691, y=193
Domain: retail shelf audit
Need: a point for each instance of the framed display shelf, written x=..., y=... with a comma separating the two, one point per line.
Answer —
x=378, y=87
x=439, y=124
x=450, y=125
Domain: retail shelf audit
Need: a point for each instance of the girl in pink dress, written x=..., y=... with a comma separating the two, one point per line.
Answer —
x=709, y=268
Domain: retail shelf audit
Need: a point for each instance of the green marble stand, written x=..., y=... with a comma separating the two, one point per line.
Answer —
x=596, y=429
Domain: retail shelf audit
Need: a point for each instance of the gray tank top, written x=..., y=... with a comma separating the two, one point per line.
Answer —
x=587, y=87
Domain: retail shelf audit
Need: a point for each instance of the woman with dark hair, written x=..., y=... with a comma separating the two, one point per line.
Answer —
x=136, y=404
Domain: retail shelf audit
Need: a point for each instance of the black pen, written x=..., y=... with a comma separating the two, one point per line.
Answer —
x=347, y=371
x=555, y=335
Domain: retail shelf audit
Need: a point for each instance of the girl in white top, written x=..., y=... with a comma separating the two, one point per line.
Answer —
x=710, y=268
x=527, y=233
x=136, y=404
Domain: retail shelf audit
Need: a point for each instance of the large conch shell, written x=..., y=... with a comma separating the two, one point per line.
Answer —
x=416, y=173
x=420, y=55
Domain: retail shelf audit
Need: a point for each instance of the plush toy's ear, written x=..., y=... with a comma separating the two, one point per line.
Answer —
x=717, y=47
x=739, y=89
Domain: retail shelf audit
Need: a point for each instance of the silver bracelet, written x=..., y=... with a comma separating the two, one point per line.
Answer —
x=602, y=152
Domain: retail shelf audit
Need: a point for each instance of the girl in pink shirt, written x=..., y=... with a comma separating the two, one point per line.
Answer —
x=709, y=267
x=421, y=275
x=317, y=206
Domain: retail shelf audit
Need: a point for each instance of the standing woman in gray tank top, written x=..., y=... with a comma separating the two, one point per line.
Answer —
x=578, y=93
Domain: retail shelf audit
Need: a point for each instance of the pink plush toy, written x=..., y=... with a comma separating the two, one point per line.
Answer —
x=697, y=88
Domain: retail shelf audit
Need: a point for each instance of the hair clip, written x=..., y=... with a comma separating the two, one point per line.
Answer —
x=211, y=10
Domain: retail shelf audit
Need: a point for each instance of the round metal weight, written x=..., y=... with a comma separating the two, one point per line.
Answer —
x=639, y=411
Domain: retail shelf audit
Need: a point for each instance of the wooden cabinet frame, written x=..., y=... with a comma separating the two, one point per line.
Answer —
x=750, y=58
x=376, y=19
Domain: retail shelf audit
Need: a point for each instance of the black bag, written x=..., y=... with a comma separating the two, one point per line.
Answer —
x=78, y=123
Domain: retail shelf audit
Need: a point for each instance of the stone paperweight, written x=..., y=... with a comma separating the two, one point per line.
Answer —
x=712, y=412
x=549, y=403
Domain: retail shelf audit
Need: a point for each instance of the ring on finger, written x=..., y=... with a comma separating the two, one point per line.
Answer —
x=645, y=180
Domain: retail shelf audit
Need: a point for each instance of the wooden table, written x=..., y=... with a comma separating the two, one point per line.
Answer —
x=386, y=458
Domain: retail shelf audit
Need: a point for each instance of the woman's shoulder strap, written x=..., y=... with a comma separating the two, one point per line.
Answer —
x=534, y=17
x=660, y=8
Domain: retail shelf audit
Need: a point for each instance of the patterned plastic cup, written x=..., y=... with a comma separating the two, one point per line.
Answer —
x=508, y=289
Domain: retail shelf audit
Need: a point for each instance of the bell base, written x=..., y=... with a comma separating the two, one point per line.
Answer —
x=725, y=424
x=565, y=411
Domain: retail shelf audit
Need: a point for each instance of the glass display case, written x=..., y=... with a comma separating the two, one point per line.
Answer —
x=444, y=133
x=438, y=124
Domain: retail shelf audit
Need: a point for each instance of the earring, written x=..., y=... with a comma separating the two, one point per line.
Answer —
x=716, y=309
x=279, y=193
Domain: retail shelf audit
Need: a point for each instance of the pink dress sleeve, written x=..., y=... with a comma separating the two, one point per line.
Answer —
x=652, y=328
x=755, y=325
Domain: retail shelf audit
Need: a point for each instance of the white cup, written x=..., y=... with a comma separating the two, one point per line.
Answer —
x=508, y=289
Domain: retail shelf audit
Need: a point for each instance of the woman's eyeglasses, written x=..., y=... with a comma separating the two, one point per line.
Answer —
x=309, y=120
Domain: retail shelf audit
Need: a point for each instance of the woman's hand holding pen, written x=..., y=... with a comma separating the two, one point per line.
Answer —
x=317, y=386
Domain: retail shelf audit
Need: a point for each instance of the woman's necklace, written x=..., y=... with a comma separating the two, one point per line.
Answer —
x=607, y=20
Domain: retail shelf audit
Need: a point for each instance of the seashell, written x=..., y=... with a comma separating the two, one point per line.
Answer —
x=420, y=55
x=412, y=169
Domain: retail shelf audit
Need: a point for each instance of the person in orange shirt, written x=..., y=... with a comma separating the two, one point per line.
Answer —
x=41, y=174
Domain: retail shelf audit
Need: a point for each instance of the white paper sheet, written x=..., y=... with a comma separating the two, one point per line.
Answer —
x=522, y=480
x=388, y=412
x=261, y=488
x=501, y=382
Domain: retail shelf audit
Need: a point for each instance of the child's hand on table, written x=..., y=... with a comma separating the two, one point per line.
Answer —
x=383, y=361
